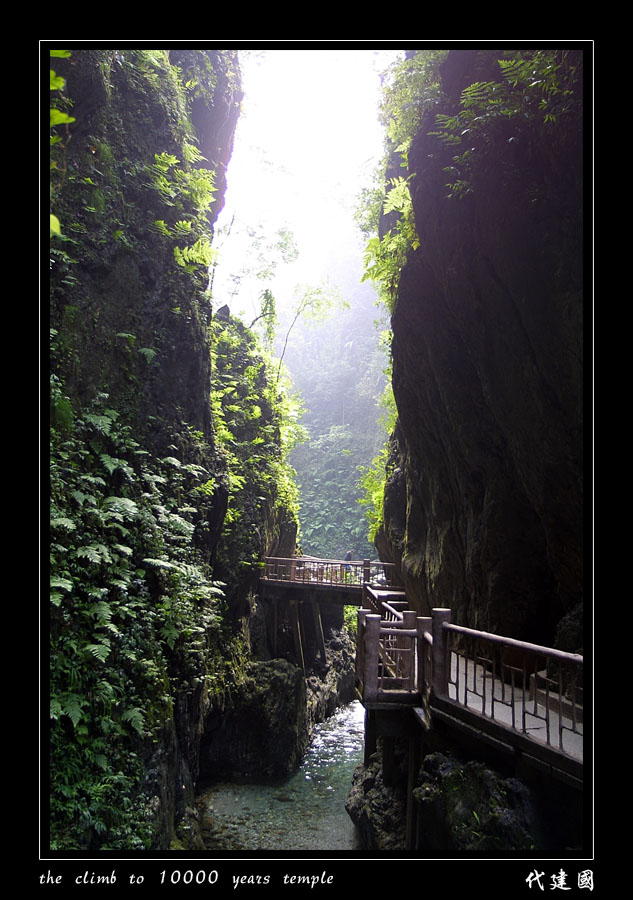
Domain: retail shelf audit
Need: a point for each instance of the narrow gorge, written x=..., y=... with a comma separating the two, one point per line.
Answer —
x=182, y=456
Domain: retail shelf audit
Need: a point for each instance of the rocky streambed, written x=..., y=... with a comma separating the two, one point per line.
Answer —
x=303, y=812
x=277, y=761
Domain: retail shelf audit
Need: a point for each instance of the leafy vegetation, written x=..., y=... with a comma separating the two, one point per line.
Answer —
x=532, y=95
x=309, y=341
x=412, y=89
x=256, y=417
x=139, y=617
x=313, y=304
x=338, y=368
x=137, y=613
x=373, y=477
x=262, y=256
x=174, y=435
x=385, y=212
x=135, y=617
x=58, y=117
x=385, y=256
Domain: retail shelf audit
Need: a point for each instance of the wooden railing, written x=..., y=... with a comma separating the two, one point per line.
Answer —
x=531, y=689
x=334, y=572
x=386, y=658
x=524, y=688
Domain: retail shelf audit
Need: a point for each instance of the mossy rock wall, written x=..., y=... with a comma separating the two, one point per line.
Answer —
x=158, y=524
x=132, y=321
x=484, y=503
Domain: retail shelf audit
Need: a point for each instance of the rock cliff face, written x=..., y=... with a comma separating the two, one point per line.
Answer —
x=483, y=507
x=136, y=183
x=168, y=456
x=460, y=807
x=133, y=183
x=266, y=728
x=140, y=177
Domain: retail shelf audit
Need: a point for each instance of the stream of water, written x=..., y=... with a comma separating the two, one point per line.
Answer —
x=304, y=812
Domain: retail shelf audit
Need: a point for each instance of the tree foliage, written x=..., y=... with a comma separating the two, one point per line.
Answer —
x=256, y=417
x=386, y=254
x=313, y=304
x=338, y=368
x=373, y=477
x=411, y=87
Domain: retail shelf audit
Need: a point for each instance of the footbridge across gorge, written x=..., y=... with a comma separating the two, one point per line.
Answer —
x=305, y=587
x=440, y=685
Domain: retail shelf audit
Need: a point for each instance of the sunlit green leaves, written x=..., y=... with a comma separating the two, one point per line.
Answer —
x=535, y=90
x=191, y=187
x=58, y=117
x=57, y=82
x=199, y=254
x=385, y=255
x=411, y=87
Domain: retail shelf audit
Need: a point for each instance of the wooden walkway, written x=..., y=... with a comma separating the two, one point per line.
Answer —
x=512, y=693
x=518, y=694
x=341, y=579
x=300, y=588
x=515, y=705
x=439, y=685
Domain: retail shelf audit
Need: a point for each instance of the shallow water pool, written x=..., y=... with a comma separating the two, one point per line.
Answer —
x=304, y=812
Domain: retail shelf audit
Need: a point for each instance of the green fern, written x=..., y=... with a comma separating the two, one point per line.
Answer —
x=135, y=718
x=64, y=523
x=94, y=553
x=148, y=353
x=99, y=651
x=199, y=254
x=72, y=705
x=121, y=508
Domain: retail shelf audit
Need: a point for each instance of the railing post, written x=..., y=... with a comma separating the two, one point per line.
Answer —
x=440, y=652
x=366, y=570
x=423, y=625
x=360, y=647
x=275, y=625
x=318, y=627
x=409, y=617
x=371, y=657
x=295, y=619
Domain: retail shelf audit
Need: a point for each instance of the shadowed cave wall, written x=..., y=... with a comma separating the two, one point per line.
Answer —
x=484, y=501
